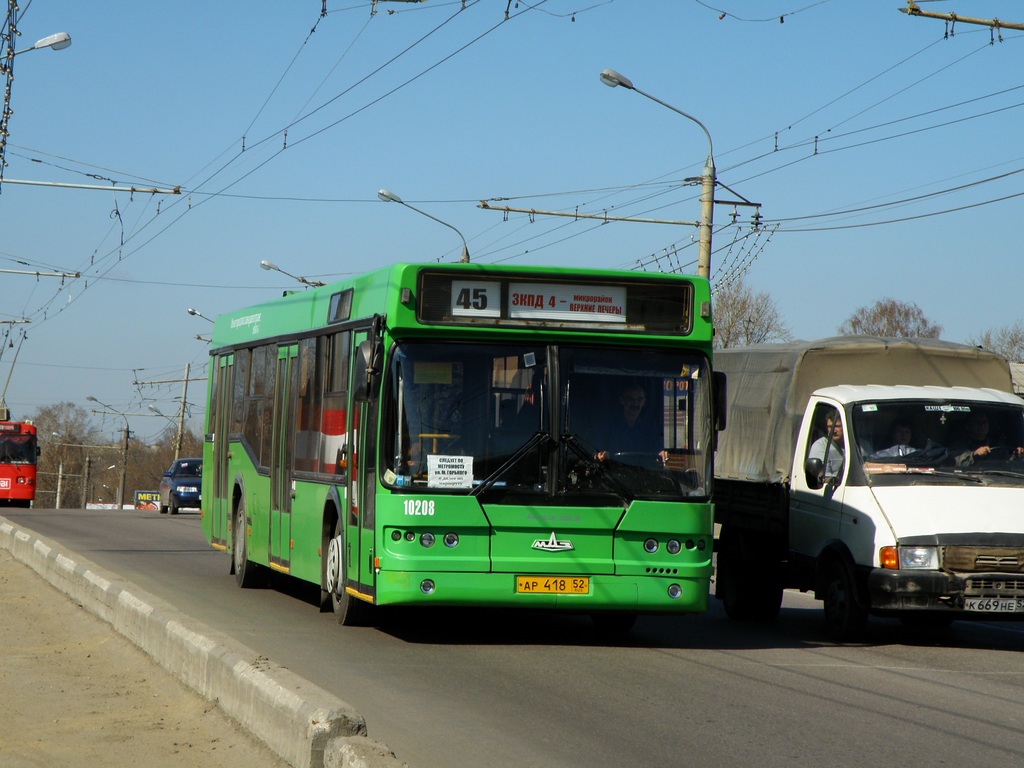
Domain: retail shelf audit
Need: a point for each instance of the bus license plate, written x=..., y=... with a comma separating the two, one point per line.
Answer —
x=994, y=604
x=553, y=585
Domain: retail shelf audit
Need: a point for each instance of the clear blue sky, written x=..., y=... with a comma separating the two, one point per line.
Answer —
x=886, y=156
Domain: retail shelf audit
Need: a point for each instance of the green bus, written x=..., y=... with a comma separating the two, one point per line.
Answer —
x=467, y=434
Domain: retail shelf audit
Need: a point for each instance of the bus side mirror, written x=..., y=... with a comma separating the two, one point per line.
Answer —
x=369, y=365
x=719, y=408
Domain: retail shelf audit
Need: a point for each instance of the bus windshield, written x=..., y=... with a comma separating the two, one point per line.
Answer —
x=17, y=449
x=575, y=422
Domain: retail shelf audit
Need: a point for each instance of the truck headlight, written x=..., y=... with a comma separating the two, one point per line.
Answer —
x=919, y=558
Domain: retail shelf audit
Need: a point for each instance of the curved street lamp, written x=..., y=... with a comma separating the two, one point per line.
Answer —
x=197, y=313
x=390, y=197
x=612, y=79
x=269, y=265
x=57, y=41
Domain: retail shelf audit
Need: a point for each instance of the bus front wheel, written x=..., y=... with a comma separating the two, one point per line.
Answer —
x=349, y=611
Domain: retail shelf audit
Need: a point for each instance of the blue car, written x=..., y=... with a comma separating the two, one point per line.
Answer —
x=181, y=485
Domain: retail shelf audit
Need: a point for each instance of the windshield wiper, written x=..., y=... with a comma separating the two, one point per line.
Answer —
x=598, y=470
x=1007, y=472
x=488, y=482
x=943, y=473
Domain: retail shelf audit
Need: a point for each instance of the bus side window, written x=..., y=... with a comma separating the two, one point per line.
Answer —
x=334, y=418
x=310, y=404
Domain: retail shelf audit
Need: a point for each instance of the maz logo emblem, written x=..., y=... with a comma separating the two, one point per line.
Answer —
x=552, y=544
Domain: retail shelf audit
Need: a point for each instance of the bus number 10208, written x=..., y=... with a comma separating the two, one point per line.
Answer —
x=419, y=507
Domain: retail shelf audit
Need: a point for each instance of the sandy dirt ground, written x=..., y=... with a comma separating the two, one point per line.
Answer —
x=76, y=693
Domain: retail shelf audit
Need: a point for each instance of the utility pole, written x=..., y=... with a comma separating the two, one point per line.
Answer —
x=912, y=9
x=181, y=415
x=85, y=481
x=60, y=480
x=122, y=483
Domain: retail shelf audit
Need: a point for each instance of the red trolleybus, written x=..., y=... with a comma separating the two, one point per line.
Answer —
x=18, y=452
x=461, y=435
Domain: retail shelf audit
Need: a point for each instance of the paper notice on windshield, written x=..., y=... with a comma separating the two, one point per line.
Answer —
x=449, y=471
x=877, y=468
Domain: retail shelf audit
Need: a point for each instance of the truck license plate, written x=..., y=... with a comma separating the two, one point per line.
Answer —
x=553, y=585
x=994, y=604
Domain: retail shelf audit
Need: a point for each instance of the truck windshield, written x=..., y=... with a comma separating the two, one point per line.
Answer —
x=960, y=437
x=568, y=422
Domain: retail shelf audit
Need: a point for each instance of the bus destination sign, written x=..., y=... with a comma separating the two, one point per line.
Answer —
x=655, y=304
x=566, y=302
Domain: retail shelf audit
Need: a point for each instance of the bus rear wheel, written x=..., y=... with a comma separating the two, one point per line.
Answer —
x=348, y=610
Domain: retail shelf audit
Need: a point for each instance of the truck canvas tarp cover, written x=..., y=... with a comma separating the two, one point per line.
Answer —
x=769, y=386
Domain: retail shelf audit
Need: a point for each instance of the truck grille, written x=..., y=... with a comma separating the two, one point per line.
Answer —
x=983, y=559
x=993, y=585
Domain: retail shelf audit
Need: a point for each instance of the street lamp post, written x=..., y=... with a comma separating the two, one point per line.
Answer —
x=55, y=42
x=269, y=265
x=197, y=313
x=124, y=451
x=390, y=197
x=611, y=78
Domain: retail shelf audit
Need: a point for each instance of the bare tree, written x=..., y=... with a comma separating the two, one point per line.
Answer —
x=888, y=317
x=1007, y=340
x=69, y=448
x=743, y=316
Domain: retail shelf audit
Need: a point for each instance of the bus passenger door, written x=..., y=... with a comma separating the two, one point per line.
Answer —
x=362, y=461
x=217, y=505
x=281, y=456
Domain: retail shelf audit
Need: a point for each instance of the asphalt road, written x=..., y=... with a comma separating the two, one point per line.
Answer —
x=488, y=688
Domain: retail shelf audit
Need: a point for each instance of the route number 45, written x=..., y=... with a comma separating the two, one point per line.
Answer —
x=472, y=298
x=476, y=298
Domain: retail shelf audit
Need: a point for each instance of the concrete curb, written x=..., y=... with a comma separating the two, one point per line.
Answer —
x=302, y=723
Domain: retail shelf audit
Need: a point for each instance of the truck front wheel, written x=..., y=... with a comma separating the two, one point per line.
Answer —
x=845, y=619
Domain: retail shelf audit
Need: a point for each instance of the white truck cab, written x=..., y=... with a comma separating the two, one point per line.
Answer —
x=898, y=500
x=924, y=524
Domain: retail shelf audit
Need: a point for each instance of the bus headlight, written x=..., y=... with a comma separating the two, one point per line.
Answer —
x=427, y=539
x=919, y=558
